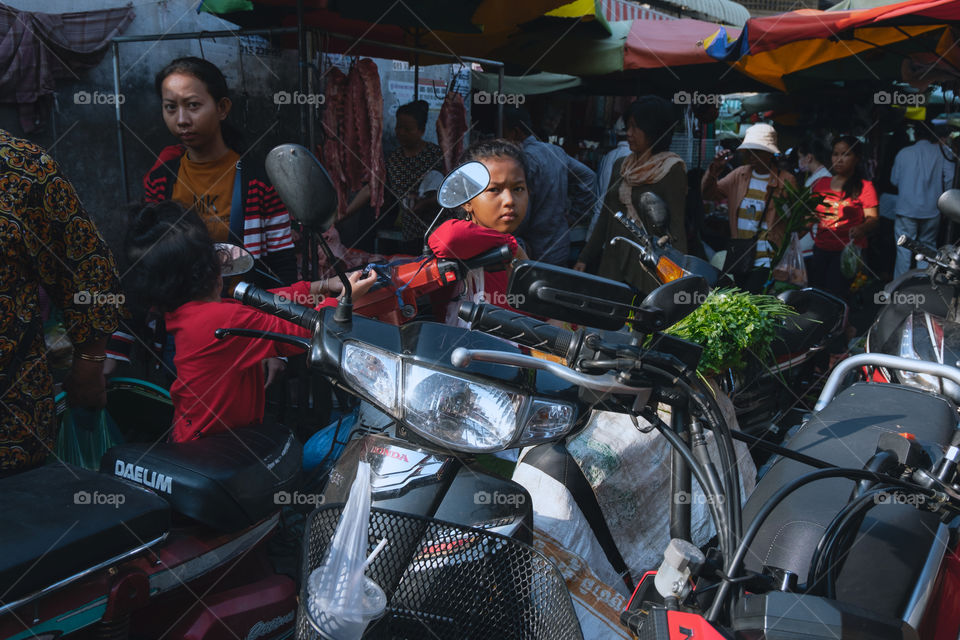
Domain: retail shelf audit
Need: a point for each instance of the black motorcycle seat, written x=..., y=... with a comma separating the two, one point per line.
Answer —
x=818, y=314
x=882, y=567
x=61, y=520
x=227, y=481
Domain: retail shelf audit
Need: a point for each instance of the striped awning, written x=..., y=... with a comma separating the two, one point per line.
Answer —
x=616, y=10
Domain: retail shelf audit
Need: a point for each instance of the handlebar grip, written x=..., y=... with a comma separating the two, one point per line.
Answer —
x=277, y=305
x=916, y=247
x=631, y=226
x=497, y=255
x=514, y=326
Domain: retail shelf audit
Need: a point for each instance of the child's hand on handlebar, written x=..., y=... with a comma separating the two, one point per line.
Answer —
x=361, y=284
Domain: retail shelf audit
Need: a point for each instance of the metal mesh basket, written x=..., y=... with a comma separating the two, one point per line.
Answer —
x=446, y=581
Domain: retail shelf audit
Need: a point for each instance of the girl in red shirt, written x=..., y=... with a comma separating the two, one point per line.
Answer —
x=489, y=219
x=849, y=213
x=220, y=383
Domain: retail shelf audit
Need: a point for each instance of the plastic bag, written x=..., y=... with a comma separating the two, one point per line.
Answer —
x=342, y=600
x=325, y=446
x=791, y=267
x=850, y=260
x=85, y=435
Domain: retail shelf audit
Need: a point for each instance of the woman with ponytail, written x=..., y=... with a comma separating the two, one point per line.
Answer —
x=204, y=172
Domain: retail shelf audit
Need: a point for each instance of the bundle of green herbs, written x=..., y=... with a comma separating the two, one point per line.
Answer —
x=729, y=324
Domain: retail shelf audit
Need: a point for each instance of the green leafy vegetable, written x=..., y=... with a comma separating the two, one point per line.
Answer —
x=729, y=324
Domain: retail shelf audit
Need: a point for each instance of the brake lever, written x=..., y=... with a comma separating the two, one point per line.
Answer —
x=296, y=341
x=605, y=383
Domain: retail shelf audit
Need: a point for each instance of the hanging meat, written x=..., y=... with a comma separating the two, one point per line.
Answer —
x=451, y=127
x=333, y=150
x=370, y=130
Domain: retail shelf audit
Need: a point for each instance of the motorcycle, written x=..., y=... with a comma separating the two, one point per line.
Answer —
x=918, y=318
x=764, y=392
x=495, y=397
x=167, y=540
x=800, y=559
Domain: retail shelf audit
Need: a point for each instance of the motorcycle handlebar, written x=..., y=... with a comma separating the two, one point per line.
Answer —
x=497, y=255
x=276, y=304
x=631, y=226
x=916, y=247
x=514, y=326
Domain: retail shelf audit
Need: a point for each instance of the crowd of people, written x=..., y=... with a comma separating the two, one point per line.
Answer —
x=203, y=190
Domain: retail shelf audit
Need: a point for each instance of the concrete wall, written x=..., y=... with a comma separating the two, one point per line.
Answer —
x=82, y=135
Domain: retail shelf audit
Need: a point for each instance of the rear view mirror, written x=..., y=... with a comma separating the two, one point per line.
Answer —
x=304, y=186
x=463, y=184
x=653, y=211
x=949, y=204
x=234, y=260
x=677, y=299
x=571, y=296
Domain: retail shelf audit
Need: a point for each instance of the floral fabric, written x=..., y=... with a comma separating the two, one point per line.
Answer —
x=46, y=239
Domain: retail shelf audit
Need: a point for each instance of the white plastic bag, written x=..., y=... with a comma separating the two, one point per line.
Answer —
x=342, y=600
x=791, y=267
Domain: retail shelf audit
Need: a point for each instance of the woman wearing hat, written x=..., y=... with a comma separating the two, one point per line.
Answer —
x=749, y=190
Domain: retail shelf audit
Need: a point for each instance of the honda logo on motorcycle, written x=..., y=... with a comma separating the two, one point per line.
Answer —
x=144, y=476
x=389, y=453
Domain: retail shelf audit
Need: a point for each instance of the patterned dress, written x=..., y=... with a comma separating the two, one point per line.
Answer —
x=46, y=238
x=404, y=174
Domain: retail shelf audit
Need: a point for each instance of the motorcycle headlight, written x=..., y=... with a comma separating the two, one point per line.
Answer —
x=461, y=413
x=374, y=372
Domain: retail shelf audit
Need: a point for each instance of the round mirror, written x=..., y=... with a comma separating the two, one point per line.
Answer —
x=234, y=260
x=303, y=185
x=463, y=184
x=949, y=204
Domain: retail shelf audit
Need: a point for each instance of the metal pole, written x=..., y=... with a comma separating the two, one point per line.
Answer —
x=302, y=72
x=500, y=102
x=194, y=35
x=119, y=114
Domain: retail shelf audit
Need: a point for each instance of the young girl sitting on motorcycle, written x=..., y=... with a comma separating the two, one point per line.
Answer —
x=220, y=383
x=489, y=219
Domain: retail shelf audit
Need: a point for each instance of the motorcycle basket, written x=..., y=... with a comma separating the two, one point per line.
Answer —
x=448, y=581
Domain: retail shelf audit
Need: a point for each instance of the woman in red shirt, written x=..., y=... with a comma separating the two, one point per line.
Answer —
x=489, y=219
x=849, y=213
x=176, y=268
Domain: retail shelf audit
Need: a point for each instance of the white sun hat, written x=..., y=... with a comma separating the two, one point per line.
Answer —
x=760, y=137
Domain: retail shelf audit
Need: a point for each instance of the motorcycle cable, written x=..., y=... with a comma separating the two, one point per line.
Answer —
x=716, y=422
x=708, y=487
x=821, y=576
x=778, y=497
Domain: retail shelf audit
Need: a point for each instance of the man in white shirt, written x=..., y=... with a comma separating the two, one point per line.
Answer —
x=921, y=172
x=605, y=169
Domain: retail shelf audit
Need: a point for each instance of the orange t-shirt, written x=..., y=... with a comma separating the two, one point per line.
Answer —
x=208, y=188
